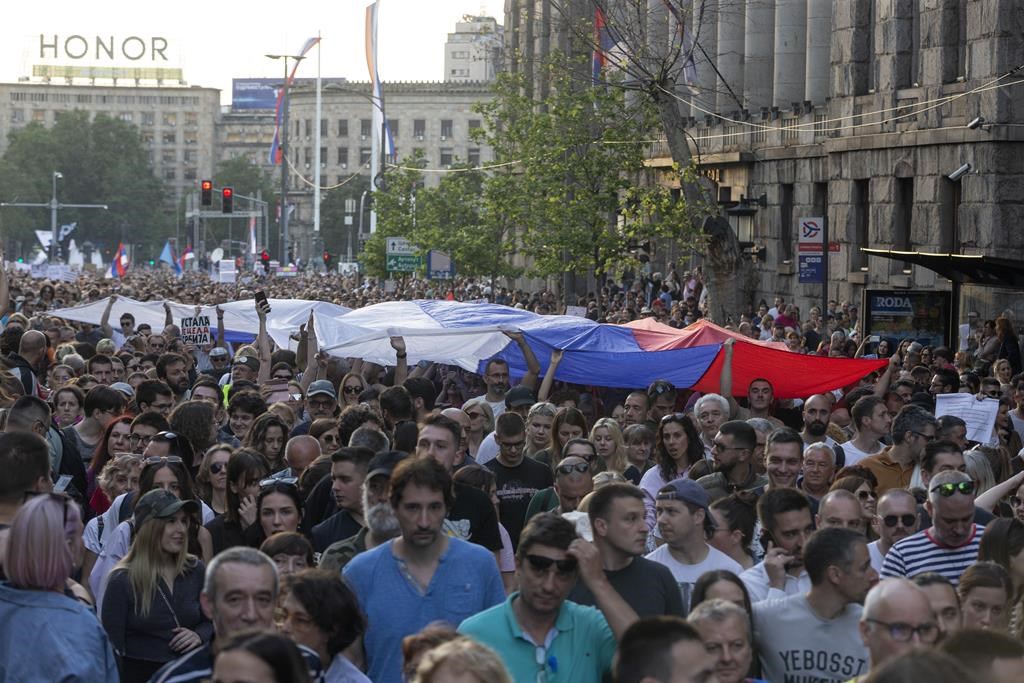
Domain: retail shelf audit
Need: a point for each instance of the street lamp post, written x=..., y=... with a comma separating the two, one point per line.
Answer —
x=284, y=157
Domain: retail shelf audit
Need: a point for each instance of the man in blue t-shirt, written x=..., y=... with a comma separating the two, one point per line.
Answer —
x=422, y=576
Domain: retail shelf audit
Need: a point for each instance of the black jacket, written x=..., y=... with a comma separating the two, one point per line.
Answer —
x=24, y=372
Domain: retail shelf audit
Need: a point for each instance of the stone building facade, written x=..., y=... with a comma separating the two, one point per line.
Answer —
x=858, y=111
x=176, y=123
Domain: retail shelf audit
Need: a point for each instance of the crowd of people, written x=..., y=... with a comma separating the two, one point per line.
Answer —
x=173, y=513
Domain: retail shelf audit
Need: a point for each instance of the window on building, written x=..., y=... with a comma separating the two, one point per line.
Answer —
x=419, y=128
x=147, y=137
x=786, y=225
x=83, y=99
x=125, y=116
x=17, y=115
x=298, y=128
x=446, y=157
x=168, y=156
x=323, y=128
x=902, y=238
x=343, y=157
x=170, y=174
x=191, y=156
x=148, y=118
x=473, y=156
x=190, y=174
x=460, y=54
x=170, y=138
x=460, y=72
x=446, y=128
x=170, y=118
x=323, y=157
x=307, y=156
x=191, y=118
x=365, y=128
x=861, y=222
x=474, y=124
x=364, y=156
x=949, y=215
x=191, y=138
x=342, y=128
x=393, y=127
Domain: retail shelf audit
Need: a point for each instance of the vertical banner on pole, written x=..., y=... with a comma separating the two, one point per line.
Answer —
x=811, y=249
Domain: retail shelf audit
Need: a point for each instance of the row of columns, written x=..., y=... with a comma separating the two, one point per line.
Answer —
x=759, y=53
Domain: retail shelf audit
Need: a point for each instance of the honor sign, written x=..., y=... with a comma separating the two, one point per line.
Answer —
x=103, y=48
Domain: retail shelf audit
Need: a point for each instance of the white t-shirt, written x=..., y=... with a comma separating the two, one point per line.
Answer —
x=855, y=455
x=497, y=407
x=488, y=450
x=686, y=575
x=877, y=558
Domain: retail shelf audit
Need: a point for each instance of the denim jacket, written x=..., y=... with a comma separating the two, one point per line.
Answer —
x=47, y=636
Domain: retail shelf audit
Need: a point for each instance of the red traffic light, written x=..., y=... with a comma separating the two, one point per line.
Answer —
x=207, y=185
x=227, y=196
x=265, y=257
x=206, y=190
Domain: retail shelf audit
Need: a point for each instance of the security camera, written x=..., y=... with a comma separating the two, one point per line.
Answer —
x=976, y=123
x=959, y=173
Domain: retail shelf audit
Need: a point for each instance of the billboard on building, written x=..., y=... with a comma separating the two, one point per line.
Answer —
x=261, y=93
x=898, y=314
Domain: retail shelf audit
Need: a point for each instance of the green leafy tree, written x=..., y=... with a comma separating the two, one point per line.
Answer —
x=103, y=161
x=333, y=230
x=395, y=204
x=579, y=194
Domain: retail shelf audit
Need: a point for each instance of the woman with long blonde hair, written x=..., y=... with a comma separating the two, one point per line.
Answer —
x=151, y=603
x=607, y=437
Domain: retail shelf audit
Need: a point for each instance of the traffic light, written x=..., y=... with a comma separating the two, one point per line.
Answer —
x=206, y=189
x=327, y=259
x=265, y=260
x=227, y=197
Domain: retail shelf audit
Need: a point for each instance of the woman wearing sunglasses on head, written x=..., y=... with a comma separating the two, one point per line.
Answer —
x=37, y=616
x=168, y=473
x=150, y=606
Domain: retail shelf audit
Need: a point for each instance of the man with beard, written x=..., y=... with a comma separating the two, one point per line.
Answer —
x=616, y=514
x=817, y=410
x=496, y=376
x=734, y=472
x=786, y=524
x=423, y=575
x=381, y=523
x=685, y=524
x=815, y=634
x=173, y=370
x=912, y=430
x=760, y=393
x=897, y=519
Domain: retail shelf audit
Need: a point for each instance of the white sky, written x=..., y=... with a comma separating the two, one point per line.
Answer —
x=217, y=41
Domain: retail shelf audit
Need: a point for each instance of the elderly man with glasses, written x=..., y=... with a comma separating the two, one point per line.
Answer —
x=950, y=544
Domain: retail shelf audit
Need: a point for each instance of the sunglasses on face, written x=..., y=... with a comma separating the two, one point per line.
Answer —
x=217, y=467
x=569, y=468
x=352, y=389
x=892, y=520
x=947, y=490
x=542, y=564
x=867, y=495
x=158, y=460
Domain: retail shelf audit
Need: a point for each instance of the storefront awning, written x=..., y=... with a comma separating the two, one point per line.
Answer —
x=964, y=269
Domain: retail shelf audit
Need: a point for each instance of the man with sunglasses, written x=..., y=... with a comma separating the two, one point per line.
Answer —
x=539, y=634
x=912, y=430
x=950, y=544
x=733, y=450
x=897, y=519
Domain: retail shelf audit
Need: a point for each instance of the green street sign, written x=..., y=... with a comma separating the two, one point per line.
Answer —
x=402, y=263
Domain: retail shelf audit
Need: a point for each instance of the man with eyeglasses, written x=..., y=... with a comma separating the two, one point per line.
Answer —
x=944, y=381
x=685, y=524
x=144, y=428
x=733, y=449
x=819, y=466
x=539, y=634
x=912, y=430
x=321, y=401
x=950, y=544
x=897, y=519
x=156, y=396
x=423, y=575
x=126, y=324
x=813, y=636
x=897, y=618
x=517, y=477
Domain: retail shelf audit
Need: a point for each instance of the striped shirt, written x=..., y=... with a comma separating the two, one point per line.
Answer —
x=922, y=553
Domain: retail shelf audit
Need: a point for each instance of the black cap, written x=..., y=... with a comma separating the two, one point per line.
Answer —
x=161, y=504
x=385, y=463
x=519, y=396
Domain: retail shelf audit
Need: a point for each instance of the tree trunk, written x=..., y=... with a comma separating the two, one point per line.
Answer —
x=728, y=273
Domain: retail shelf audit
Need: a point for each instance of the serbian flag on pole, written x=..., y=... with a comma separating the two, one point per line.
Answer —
x=605, y=41
x=274, y=157
x=185, y=256
x=119, y=266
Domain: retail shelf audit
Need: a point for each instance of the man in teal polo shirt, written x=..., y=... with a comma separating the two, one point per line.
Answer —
x=539, y=634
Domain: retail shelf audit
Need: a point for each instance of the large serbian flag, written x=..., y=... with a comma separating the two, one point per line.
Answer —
x=119, y=266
